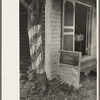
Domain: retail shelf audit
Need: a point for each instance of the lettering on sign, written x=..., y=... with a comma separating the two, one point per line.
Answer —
x=69, y=58
x=69, y=67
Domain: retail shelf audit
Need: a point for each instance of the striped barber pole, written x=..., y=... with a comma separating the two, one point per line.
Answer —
x=35, y=43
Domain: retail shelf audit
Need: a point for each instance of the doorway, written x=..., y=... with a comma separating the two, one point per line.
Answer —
x=77, y=27
x=80, y=27
x=83, y=28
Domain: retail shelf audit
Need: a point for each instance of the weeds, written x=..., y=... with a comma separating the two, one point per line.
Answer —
x=30, y=89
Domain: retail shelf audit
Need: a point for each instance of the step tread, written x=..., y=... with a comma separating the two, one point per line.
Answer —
x=88, y=64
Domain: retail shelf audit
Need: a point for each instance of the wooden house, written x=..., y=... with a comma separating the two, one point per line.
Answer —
x=60, y=19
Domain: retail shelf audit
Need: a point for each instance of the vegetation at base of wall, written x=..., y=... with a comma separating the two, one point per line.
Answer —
x=30, y=89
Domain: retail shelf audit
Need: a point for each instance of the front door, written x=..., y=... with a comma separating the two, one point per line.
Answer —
x=77, y=26
x=68, y=25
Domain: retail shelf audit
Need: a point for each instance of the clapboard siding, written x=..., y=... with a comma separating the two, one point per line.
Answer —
x=55, y=16
x=53, y=24
x=94, y=35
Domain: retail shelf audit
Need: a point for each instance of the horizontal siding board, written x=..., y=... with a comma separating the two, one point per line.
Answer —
x=55, y=16
x=55, y=59
x=54, y=64
x=54, y=19
x=55, y=36
x=55, y=27
x=55, y=32
x=56, y=43
x=56, y=7
x=55, y=46
x=56, y=11
x=55, y=39
x=56, y=24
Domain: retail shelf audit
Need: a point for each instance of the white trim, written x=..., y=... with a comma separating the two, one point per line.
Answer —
x=63, y=23
x=68, y=33
x=74, y=28
x=85, y=4
x=86, y=31
x=98, y=46
x=47, y=38
x=68, y=27
x=72, y=1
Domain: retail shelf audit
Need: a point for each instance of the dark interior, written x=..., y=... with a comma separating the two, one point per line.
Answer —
x=80, y=23
x=24, y=41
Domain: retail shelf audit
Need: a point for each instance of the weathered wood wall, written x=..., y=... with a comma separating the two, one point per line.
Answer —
x=94, y=34
x=53, y=36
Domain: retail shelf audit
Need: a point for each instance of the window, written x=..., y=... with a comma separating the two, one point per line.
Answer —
x=77, y=25
x=68, y=28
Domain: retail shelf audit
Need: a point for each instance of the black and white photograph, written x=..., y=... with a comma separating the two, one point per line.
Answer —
x=57, y=50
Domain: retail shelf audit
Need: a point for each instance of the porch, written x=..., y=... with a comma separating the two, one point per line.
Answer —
x=87, y=64
x=55, y=35
x=60, y=33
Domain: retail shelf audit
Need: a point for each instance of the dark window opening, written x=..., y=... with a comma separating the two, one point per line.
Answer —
x=82, y=29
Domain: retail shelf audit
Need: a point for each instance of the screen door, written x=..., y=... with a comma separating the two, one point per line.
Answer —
x=68, y=25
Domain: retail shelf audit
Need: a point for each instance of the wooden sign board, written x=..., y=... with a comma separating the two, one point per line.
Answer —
x=69, y=67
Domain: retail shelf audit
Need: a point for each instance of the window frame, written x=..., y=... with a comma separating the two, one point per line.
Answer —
x=63, y=7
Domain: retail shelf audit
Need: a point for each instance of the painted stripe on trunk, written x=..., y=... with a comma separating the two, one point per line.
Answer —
x=34, y=39
x=38, y=60
x=36, y=53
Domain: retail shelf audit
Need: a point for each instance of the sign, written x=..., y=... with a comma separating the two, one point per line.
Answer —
x=69, y=67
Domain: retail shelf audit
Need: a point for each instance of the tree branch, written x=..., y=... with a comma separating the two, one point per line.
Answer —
x=24, y=4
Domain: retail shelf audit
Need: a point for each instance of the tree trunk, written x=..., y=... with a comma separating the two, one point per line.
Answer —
x=35, y=40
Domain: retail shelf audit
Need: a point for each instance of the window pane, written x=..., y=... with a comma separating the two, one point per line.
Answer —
x=68, y=30
x=68, y=42
x=68, y=21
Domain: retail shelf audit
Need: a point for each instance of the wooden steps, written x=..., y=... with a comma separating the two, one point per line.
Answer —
x=88, y=64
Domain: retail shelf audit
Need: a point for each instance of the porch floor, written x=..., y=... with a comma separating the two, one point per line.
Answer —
x=87, y=64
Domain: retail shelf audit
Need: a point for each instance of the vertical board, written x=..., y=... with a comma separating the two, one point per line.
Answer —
x=69, y=67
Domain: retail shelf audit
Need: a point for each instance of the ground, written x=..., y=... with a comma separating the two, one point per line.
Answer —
x=60, y=91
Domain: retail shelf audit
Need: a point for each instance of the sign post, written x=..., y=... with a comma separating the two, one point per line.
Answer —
x=69, y=67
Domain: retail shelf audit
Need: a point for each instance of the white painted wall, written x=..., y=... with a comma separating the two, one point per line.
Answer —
x=52, y=36
x=94, y=35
